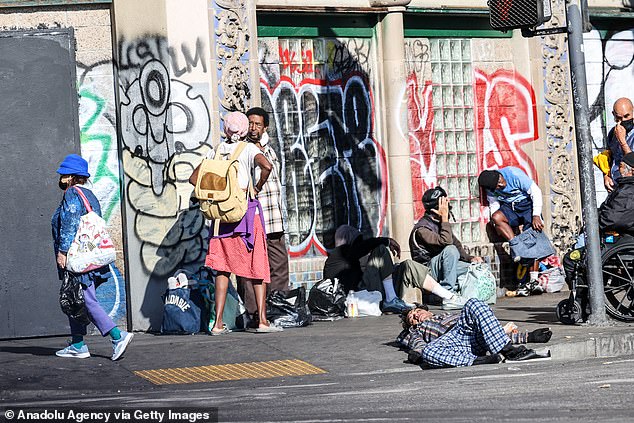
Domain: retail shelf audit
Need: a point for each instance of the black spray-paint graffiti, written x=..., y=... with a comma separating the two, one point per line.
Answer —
x=133, y=54
x=165, y=126
x=159, y=118
x=333, y=170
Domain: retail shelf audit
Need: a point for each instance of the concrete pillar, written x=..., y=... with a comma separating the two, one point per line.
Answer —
x=398, y=149
x=164, y=88
x=234, y=56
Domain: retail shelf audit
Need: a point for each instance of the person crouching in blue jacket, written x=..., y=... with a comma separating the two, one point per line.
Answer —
x=73, y=173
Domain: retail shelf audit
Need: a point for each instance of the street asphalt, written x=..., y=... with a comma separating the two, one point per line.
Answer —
x=353, y=354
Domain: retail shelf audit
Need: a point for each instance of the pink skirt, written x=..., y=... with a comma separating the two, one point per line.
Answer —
x=231, y=255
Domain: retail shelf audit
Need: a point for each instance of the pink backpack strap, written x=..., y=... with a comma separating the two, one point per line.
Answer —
x=84, y=199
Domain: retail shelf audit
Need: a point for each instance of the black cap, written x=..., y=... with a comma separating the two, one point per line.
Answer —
x=489, y=179
x=431, y=196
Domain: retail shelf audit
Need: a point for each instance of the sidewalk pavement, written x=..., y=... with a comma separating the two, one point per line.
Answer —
x=569, y=342
x=343, y=349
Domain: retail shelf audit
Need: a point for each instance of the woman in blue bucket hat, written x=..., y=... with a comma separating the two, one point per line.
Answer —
x=74, y=174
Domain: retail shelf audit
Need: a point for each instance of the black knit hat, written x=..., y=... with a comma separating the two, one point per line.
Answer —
x=489, y=179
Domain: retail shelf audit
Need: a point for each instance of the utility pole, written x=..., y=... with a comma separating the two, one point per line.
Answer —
x=594, y=273
x=527, y=15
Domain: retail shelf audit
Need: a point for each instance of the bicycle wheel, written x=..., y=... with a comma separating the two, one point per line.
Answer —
x=618, y=280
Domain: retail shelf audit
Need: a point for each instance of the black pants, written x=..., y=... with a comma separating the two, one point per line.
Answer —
x=278, y=263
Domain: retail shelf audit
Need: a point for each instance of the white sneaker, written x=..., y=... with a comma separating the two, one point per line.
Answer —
x=119, y=346
x=523, y=291
x=536, y=288
x=71, y=352
x=456, y=302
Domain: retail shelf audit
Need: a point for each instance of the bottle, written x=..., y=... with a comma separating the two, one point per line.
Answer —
x=351, y=303
x=518, y=337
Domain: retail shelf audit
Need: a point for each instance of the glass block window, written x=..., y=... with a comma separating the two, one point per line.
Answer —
x=454, y=127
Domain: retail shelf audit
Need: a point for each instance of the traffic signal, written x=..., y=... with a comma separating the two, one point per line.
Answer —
x=514, y=14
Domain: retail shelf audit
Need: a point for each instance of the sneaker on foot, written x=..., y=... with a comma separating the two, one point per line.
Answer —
x=120, y=345
x=523, y=291
x=72, y=352
x=536, y=288
x=396, y=305
x=456, y=302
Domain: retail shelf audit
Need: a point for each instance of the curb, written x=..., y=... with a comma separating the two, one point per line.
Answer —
x=596, y=346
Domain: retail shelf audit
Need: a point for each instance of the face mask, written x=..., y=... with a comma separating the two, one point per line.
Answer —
x=628, y=124
x=62, y=185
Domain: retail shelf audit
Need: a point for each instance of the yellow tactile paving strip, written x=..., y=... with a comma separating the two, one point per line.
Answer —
x=224, y=372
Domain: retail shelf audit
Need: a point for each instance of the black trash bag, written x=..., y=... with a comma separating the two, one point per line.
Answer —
x=71, y=299
x=327, y=300
x=288, y=309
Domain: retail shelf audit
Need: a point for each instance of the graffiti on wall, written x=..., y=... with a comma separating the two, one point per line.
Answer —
x=181, y=59
x=165, y=125
x=98, y=132
x=333, y=169
x=420, y=121
x=97, y=124
x=505, y=120
x=322, y=127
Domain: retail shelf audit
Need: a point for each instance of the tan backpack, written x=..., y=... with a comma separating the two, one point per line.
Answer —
x=218, y=189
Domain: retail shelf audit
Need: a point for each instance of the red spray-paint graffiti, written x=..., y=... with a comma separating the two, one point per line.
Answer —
x=420, y=119
x=506, y=119
x=302, y=65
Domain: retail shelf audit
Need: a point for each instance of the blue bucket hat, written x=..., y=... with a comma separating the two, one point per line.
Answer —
x=74, y=164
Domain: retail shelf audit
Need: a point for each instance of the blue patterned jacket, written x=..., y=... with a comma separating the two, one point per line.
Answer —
x=65, y=221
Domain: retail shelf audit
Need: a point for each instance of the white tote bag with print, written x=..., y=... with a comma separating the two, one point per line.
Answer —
x=92, y=247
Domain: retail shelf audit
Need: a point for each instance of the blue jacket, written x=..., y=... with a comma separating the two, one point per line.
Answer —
x=65, y=223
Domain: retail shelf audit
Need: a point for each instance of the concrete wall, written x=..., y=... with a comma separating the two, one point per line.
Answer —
x=467, y=104
x=97, y=113
x=164, y=85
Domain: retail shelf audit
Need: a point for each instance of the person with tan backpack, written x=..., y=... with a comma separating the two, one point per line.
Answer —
x=237, y=243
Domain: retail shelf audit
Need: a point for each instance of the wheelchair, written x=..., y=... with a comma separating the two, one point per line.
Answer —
x=617, y=264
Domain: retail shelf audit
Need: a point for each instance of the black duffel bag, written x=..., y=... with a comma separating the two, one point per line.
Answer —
x=288, y=309
x=327, y=300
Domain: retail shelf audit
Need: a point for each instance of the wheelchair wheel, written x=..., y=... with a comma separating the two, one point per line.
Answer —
x=618, y=280
x=569, y=312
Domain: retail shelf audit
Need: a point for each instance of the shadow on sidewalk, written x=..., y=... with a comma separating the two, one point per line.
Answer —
x=528, y=314
x=39, y=351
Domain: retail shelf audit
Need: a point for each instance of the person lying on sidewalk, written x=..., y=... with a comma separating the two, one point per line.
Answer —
x=455, y=340
x=381, y=274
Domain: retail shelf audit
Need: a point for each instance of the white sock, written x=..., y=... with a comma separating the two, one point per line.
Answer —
x=388, y=287
x=534, y=276
x=443, y=293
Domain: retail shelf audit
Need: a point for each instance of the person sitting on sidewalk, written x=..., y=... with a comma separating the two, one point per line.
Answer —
x=455, y=340
x=515, y=202
x=433, y=243
x=381, y=274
